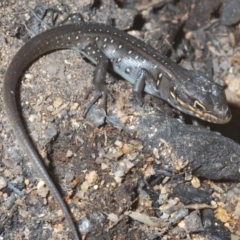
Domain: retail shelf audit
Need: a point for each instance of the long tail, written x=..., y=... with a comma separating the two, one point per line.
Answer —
x=30, y=51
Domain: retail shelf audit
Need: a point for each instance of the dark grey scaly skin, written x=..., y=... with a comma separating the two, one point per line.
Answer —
x=110, y=48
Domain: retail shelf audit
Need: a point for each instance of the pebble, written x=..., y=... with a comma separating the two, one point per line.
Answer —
x=178, y=215
x=113, y=217
x=57, y=102
x=96, y=116
x=75, y=106
x=195, y=182
x=85, y=186
x=156, y=153
x=127, y=148
x=91, y=177
x=10, y=201
x=225, y=65
x=50, y=133
x=3, y=183
x=118, y=144
x=69, y=153
x=50, y=108
x=222, y=215
x=85, y=226
x=193, y=222
x=34, y=118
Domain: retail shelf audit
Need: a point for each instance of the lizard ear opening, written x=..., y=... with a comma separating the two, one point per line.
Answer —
x=165, y=87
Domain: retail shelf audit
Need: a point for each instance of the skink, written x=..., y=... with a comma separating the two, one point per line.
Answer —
x=109, y=48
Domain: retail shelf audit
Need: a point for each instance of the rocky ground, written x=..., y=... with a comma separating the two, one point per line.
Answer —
x=139, y=172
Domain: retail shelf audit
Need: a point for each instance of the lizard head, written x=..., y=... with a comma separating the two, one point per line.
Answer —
x=200, y=97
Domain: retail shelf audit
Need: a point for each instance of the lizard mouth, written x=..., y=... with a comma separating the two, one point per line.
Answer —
x=214, y=119
x=204, y=115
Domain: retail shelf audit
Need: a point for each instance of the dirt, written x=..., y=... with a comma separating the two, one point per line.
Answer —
x=104, y=174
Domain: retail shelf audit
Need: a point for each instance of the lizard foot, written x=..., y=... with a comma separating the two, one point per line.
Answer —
x=96, y=96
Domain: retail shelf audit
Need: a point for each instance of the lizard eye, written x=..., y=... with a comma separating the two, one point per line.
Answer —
x=198, y=106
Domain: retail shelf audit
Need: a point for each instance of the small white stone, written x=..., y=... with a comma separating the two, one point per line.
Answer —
x=3, y=183
x=69, y=153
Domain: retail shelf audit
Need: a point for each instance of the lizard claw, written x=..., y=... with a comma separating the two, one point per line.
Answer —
x=97, y=95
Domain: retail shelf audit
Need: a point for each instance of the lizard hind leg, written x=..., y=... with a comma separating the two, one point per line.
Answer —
x=99, y=89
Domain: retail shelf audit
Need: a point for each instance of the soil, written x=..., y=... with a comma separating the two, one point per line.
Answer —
x=115, y=187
